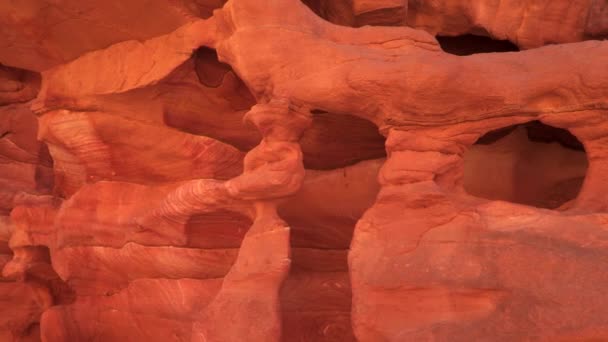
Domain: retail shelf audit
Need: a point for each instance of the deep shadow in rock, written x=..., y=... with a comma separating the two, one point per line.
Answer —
x=533, y=164
x=469, y=44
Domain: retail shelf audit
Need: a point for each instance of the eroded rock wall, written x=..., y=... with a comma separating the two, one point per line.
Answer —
x=250, y=171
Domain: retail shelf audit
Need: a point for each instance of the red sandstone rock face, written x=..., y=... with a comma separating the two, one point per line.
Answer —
x=248, y=171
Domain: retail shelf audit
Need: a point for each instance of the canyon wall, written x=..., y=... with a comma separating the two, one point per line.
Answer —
x=316, y=170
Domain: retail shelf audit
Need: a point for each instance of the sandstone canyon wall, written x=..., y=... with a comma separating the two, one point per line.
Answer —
x=315, y=170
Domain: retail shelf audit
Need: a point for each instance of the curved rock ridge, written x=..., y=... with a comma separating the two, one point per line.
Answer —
x=245, y=170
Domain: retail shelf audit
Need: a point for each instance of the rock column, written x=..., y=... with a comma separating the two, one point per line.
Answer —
x=248, y=302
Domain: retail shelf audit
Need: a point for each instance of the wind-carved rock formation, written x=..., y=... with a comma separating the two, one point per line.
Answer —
x=248, y=170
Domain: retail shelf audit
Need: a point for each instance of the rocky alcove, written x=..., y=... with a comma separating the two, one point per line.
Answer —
x=533, y=164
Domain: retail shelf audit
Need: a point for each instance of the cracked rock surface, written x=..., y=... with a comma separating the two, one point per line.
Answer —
x=315, y=170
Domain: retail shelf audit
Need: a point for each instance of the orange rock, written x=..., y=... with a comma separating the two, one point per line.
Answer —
x=245, y=170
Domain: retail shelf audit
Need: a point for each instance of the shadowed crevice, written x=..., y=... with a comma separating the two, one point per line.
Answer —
x=533, y=164
x=469, y=44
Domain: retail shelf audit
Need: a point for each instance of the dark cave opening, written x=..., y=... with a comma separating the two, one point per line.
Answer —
x=532, y=164
x=338, y=140
x=209, y=70
x=470, y=44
